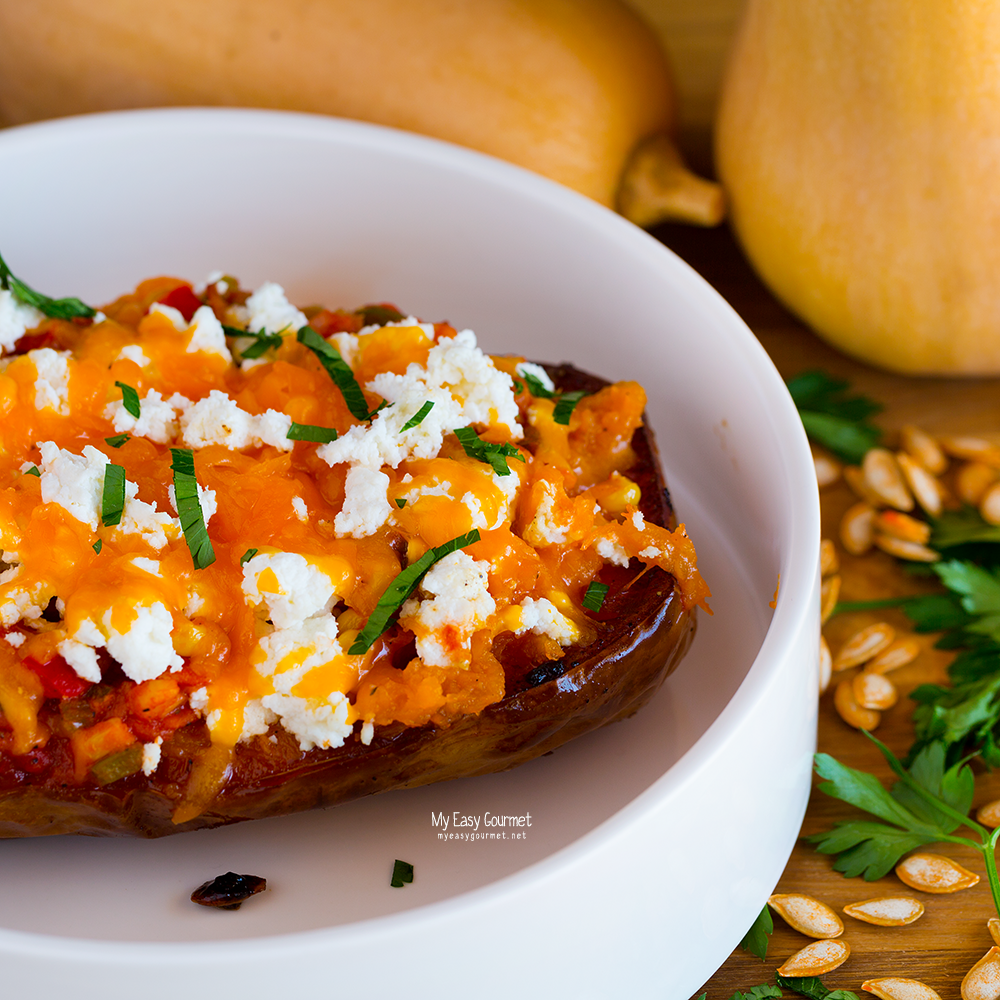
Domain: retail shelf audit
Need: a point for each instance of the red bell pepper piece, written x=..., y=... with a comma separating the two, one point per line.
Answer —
x=183, y=299
x=58, y=678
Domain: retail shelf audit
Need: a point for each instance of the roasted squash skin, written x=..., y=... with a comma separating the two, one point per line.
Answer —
x=643, y=633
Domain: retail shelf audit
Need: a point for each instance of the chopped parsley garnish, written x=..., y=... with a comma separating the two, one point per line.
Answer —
x=97, y=546
x=400, y=502
x=756, y=939
x=338, y=369
x=247, y=556
x=763, y=992
x=400, y=589
x=565, y=401
x=487, y=451
x=379, y=315
x=117, y=441
x=311, y=432
x=33, y=471
x=56, y=308
x=130, y=399
x=593, y=599
x=810, y=987
x=833, y=419
x=402, y=871
x=189, y=508
x=418, y=417
x=263, y=340
x=113, y=498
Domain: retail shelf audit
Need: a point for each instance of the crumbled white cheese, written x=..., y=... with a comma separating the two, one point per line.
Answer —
x=140, y=518
x=135, y=353
x=15, y=639
x=270, y=310
x=651, y=552
x=612, y=551
x=314, y=723
x=346, y=344
x=52, y=384
x=75, y=482
x=157, y=418
x=303, y=590
x=638, y=521
x=459, y=380
x=151, y=756
x=198, y=699
x=367, y=732
x=151, y=566
x=20, y=605
x=530, y=368
x=476, y=510
x=10, y=574
x=459, y=603
x=288, y=654
x=366, y=506
x=257, y=720
x=300, y=508
x=217, y=419
x=175, y=316
x=145, y=651
x=16, y=319
x=82, y=658
x=543, y=618
x=207, y=334
x=544, y=528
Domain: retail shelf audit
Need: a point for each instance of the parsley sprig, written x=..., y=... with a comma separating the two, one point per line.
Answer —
x=565, y=401
x=812, y=988
x=756, y=939
x=263, y=341
x=925, y=806
x=487, y=451
x=339, y=370
x=189, y=508
x=68, y=308
x=401, y=588
x=832, y=418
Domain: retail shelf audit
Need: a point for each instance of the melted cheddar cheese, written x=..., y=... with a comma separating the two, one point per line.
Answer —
x=104, y=603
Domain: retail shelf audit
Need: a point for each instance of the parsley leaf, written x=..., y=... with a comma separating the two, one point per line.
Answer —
x=263, y=340
x=97, y=546
x=418, y=418
x=400, y=589
x=379, y=315
x=763, y=992
x=565, y=401
x=33, y=471
x=189, y=508
x=117, y=441
x=247, y=556
x=338, y=369
x=130, y=399
x=813, y=988
x=833, y=419
x=402, y=871
x=536, y=387
x=487, y=451
x=755, y=940
x=311, y=432
x=113, y=496
x=400, y=502
x=593, y=599
x=961, y=527
x=56, y=308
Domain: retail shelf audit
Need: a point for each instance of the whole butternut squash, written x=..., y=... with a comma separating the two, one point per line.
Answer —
x=859, y=144
x=568, y=88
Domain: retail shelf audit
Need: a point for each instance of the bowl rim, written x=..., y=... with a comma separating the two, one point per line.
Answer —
x=794, y=606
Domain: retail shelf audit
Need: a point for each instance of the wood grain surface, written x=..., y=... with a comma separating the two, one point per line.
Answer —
x=951, y=936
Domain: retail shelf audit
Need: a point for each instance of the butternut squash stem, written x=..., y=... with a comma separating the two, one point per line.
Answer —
x=657, y=187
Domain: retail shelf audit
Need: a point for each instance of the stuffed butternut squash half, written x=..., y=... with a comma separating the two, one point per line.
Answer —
x=257, y=560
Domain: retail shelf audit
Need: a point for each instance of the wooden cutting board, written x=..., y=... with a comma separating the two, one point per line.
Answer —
x=951, y=936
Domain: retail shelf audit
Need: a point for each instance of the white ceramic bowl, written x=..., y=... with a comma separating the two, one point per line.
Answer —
x=654, y=842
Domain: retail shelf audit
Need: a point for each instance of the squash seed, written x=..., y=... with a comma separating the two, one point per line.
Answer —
x=825, y=665
x=901, y=652
x=993, y=926
x=901, y=549
x=857, y=528
x=935, y=873
x=900, y=525
x=927, y=490
x=895, y=988
x=923, y=448
x=827, y=468
x=855, y=478
x=816, y=959
x=806, y=915
x=972, y=480
x=850, y=711
x=863, y=645
x=989, y=815
x=886, y=911
x=884, y=477
x=982, y=981
x=829, y=592
x=874, y=691
x=989, y=506
x=828, y=561
x=975, y=449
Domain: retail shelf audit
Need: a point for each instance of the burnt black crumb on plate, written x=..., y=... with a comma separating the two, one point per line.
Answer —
x=227, y=892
